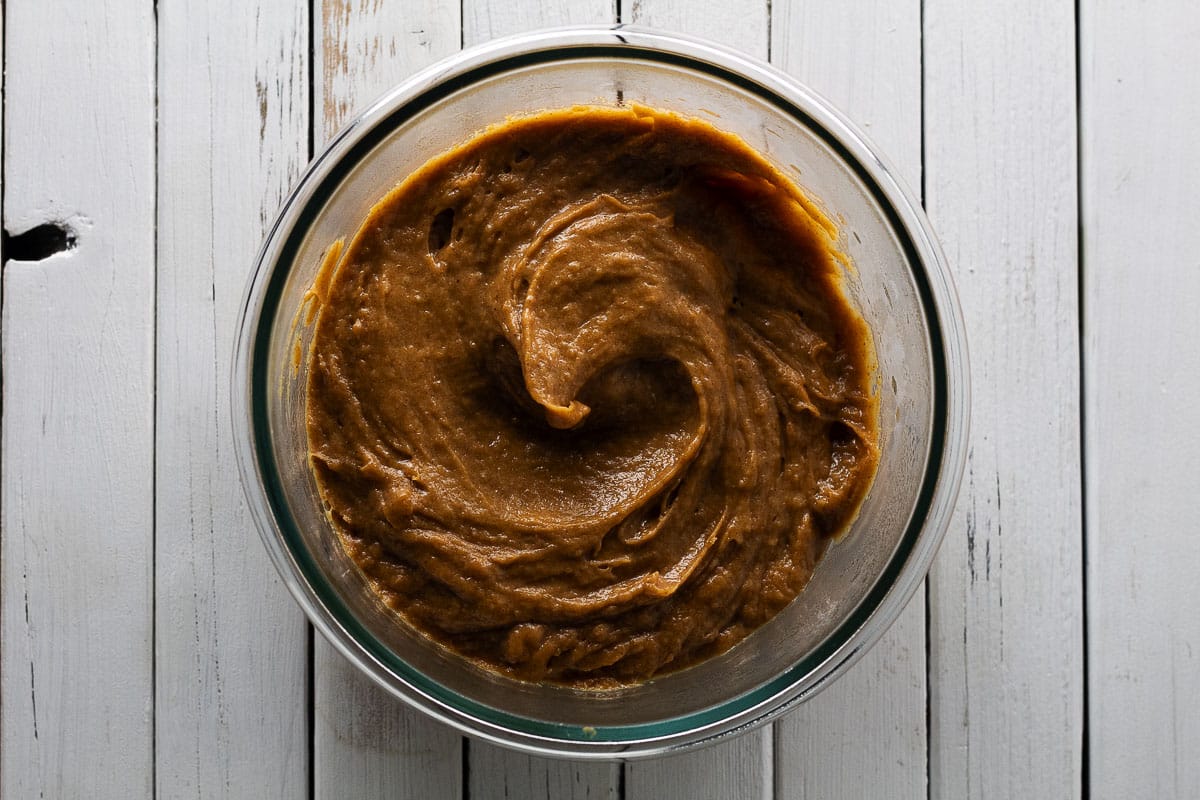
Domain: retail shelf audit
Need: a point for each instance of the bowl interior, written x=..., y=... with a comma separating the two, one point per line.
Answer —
x=855, y=572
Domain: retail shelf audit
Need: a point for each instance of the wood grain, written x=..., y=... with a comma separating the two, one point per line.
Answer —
x=231, y=647
x=364, y=47
x=864, y=736
x=489, y=19
x=1006, y=659
x=366, y=743
x=146, y=643
x=78, y=403
x=744, y=26
x=740, y=767
x=1140, y=102
x=499, y=774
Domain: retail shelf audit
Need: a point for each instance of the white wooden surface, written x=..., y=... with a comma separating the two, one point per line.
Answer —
x=1006, y=628
x=1141, y=254
x=743, y=767
x=78, y=404
x=365, y=743
x=148, y=647
x=865, y=736
x=495, y=773
x=225, y=724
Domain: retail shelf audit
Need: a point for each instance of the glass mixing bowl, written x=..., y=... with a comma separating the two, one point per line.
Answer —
x=899, y=282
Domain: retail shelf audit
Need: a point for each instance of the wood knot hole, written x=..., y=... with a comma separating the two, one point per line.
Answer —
x=39, y=243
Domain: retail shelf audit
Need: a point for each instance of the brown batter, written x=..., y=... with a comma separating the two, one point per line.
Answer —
x=585, y=400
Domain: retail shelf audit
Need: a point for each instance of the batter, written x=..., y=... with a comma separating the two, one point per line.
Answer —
x=586, y=401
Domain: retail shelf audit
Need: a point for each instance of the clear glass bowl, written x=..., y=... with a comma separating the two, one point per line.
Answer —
x=900, y=283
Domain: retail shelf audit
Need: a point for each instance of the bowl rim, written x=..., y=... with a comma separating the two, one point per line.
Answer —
x=907, y=566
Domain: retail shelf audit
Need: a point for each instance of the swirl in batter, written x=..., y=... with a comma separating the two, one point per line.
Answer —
x=586, y=401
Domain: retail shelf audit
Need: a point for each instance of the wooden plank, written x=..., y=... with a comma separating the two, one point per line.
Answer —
x=366, y=743
x=495, y=771
x=866, y=731
x=370, y=745
x=741, y=767
x=1140, y=104
x=363, y=49
x=231, y=647
x=489, y=19
x=499, y=774
x=745, y=25
x=1006, y=631
x=865, y=736
x=78, y=401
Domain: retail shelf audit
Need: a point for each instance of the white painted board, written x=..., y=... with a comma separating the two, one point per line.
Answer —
x=78, y=404
x=496, y=772
x=231, y=647
x=366, y=743
x=490, y=19
x=1006, y=625
x=363, y=49
x=744, y=26
x=1140, y=103
x=865, y=735
x=136, y=642
x=739, y=767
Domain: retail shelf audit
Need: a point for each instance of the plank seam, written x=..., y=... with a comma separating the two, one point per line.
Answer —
x=771, y=741
x=928, y=616
x=312, y=57
x=464, y=747
x=310, y=687
x=154, y=438
x=3, y=226
x=1085, y=754
x=770, y=19
x=465, y=751
x=310, y=718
